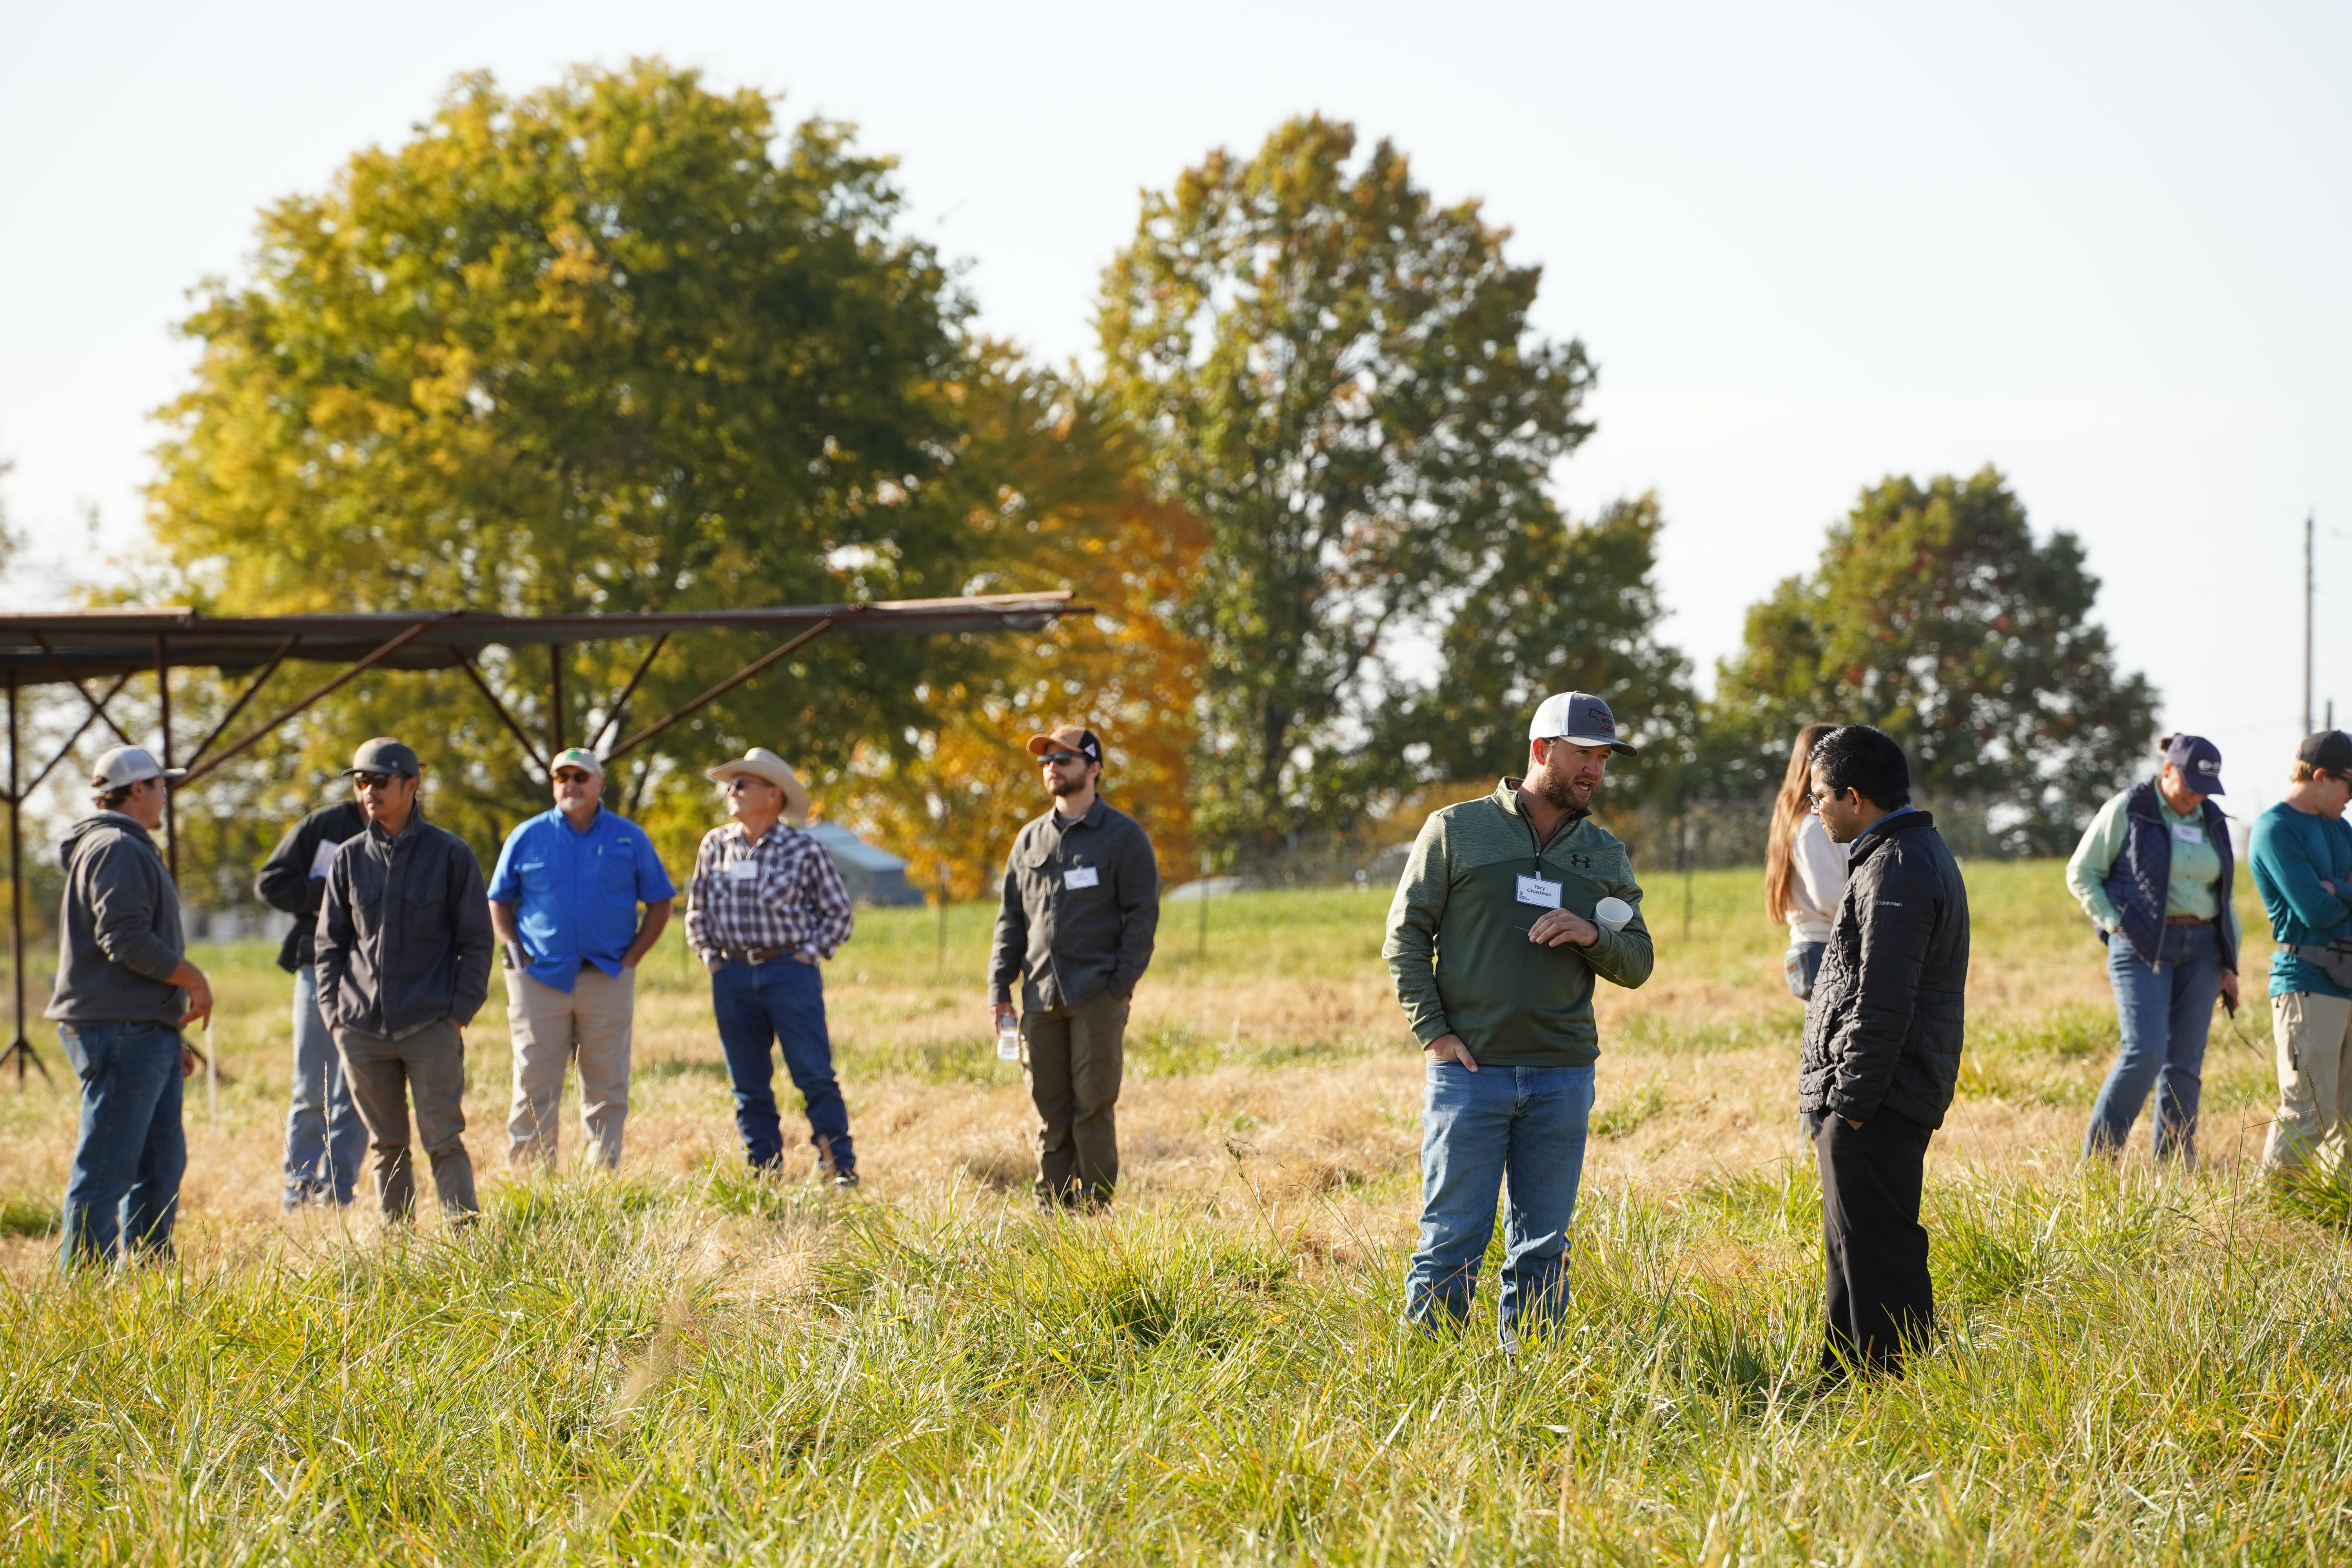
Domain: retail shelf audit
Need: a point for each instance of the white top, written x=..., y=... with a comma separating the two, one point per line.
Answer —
x=1817, y=882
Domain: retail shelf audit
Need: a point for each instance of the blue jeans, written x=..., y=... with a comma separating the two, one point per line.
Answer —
x=324, y=1138
x=1477, y=1129
x=758, y=1007
x=2164, y=1011
x=124, y=1187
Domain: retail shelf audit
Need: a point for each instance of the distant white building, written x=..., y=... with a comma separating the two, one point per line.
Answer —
x=872, y=876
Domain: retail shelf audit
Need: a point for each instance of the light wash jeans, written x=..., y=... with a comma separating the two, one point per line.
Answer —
x=324, y=1138
x=124, y=1188
x=2164, y=1011
x=1514, y=1132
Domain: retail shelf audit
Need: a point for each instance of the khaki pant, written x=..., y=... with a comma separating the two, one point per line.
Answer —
x=383, y=1074
x=1075, y=1058
x=592, y=1021
x=2313, y=1033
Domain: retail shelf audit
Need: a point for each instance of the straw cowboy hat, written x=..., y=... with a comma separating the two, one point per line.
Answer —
x=759, y=762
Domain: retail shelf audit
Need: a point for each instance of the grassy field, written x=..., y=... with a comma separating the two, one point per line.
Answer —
x=685, y=1365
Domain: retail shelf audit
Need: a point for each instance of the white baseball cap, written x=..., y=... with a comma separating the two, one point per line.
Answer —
x=127, y=765
x=1578, y=718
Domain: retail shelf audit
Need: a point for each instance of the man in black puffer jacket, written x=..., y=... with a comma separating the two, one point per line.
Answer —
x=1882, y=1046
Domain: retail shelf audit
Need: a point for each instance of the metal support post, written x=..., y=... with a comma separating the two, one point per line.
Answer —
x=554, y=697
x=163, y=705
x=20, y=1050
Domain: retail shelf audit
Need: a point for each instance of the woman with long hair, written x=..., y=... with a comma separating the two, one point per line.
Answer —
x=1804, y=873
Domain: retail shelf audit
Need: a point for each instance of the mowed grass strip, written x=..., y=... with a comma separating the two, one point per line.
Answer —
x=689, y=1364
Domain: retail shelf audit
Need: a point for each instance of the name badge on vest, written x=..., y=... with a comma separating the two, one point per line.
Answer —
x=1081, y=877
x=1537, y=891
x=2189, y=832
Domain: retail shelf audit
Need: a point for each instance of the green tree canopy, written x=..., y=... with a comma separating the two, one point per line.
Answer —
x=1936, y=615
x=618, y=344
x=1563, y=606
x=1338, y=377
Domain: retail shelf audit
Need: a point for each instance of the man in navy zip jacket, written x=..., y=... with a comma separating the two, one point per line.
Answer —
x=1882, y=1052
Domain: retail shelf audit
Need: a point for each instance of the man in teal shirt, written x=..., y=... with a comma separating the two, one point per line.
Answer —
x=2302, y=858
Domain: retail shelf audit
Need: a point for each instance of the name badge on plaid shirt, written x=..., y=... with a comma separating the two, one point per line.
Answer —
x=743, y=870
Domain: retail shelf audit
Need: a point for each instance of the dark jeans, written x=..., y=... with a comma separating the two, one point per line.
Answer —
x=760, y=1007
x=1517, y=1133
x=1880, y=1303
x=124, y=1188
x=2164, y=1011
x=1076, y=1055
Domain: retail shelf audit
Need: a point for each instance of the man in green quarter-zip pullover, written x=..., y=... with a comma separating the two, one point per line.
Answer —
x=1495, y=938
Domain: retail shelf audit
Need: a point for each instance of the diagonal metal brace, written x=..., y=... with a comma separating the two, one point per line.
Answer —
x=724, y=687
x=473, y=673
x=384, y=650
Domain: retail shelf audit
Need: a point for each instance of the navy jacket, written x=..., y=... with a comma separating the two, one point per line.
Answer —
x=285, y=881
x=403, y=931
x=2141, y=877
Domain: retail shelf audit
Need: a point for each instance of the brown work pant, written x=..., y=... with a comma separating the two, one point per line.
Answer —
x=1074, y=1058
x=384, y=1073
x=550, y=1027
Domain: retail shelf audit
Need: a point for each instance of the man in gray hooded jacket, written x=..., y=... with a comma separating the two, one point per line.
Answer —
x=125, y=991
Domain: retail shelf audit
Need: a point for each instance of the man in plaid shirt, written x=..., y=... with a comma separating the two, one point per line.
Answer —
x=766, y=905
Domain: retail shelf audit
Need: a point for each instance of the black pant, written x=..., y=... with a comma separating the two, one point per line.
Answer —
x=1880, y=1301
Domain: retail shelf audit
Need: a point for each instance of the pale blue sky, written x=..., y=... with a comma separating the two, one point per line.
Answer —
x=2102, y=246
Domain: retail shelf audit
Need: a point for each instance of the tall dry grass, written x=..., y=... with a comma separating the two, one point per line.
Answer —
x=686, y=1364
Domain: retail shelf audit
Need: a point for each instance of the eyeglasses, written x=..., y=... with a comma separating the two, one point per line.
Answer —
x=571, y=775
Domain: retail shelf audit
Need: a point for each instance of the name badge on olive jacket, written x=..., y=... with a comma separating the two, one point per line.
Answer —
x=1081, y=877
x=1540, y=892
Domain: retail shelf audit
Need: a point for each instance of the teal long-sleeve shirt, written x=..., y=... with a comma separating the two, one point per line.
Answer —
x=2292, y=853
x=2193, y=888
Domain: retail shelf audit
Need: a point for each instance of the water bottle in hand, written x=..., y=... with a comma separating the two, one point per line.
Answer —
x=1008, y=1041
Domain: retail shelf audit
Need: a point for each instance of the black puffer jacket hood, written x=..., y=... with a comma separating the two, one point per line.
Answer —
x=1884, y=1026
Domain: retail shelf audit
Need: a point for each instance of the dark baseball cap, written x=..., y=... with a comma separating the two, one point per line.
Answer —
x=384, y=755
x=2198, y=760
x=2330, y=750
x=1578, y=718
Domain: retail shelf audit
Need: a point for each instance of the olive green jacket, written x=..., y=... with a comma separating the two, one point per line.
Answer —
x=1457, y=935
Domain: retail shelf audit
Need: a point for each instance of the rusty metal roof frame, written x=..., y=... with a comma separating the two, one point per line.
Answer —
x=76, y=647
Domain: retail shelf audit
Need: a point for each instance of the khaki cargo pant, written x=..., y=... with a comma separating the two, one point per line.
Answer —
x=1074, y=1058
x=383, y=1074
x=592, y=1021
x=2314, y=1035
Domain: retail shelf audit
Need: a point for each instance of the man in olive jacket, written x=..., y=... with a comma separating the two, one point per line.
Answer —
x=1882, y=1051
x=1081, y=906
x=1496, y=938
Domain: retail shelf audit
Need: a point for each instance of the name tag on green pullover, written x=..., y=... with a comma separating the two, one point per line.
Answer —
x=1537, y=891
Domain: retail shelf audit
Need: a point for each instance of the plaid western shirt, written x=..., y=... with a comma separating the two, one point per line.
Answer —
x=781, y=892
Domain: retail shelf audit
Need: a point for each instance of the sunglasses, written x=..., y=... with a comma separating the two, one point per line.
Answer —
x=744, y=786
x=571, y=775
x=371, y=781
x=1054, y=759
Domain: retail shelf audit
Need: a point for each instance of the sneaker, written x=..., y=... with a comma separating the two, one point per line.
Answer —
x=844, y=1179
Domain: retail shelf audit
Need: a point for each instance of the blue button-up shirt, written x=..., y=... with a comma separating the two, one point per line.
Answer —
x=578, y=891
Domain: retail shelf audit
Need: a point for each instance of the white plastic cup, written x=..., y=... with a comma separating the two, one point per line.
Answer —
x=1008, y=1042
x=1612, y=913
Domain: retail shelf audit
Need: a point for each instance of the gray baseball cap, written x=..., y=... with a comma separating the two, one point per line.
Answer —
x=384, y=755
x=127, y=765
x=1578, y=718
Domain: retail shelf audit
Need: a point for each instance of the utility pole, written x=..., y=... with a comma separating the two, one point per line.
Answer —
x=2310, y=524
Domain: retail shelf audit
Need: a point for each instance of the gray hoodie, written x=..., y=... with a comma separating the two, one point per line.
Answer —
x=119, y=934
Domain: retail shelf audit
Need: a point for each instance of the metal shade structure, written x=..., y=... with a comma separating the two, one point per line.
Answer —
x=97, y=652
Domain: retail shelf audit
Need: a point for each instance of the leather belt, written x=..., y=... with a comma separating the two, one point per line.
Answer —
x=2186, y=920
x=756, y=957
